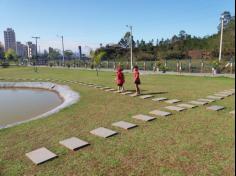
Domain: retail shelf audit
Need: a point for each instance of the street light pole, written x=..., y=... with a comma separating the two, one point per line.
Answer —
x=36, y=41
x=131, y=46
x=63, y=50
x=221, y=37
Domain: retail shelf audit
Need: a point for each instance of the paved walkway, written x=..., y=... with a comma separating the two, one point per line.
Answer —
x=156, y=73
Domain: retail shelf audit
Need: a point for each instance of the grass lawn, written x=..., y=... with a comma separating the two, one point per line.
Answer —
x=193, y=142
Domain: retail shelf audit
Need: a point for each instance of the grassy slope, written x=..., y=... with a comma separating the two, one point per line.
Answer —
x=195, y=142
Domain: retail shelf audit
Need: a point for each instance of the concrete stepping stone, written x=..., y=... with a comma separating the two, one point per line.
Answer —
x=160, y=99
x=110, y=90
x=74, y=143
x=41, y=155
x=221, y=95
x=215, y=97
x=126, y=93
x=173, y=101
x=198, y=102
x=103, y=132
x=232, y=112
x=160, y=113
x=124, y=125
x=215, y=108
x=189, y=106
x=206, y=100
x=175, y=108
x=227, y=93
x=146, y=96
x=144, y=117
x=134, y=95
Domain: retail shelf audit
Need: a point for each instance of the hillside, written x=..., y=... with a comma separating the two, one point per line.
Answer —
x=180, y=46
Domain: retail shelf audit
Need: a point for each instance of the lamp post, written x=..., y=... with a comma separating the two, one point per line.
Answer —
x=221, y=36
x=36, y=42
x=62, y=43
x=131, y=45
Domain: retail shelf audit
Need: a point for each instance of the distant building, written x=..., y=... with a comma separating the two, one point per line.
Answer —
x=10, y=39
x=21, y=49
x=31, y=49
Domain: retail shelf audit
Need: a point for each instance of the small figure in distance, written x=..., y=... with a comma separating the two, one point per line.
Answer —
x=120, y=80
x=137, y=81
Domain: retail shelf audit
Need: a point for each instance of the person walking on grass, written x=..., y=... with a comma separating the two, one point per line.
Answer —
x=137, y=81
x=120, y=80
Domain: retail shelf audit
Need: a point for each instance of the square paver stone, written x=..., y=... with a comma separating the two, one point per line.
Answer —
x=146, y=96
x=103, y=132
x=124, y=125
x=215, y=97
x=160, y=113
x=227, y=93
x=198, y=102
x=110, y=90
x=173, y=101
x=134, y=95
x=160, y=99
x=143, y=117
x=189, y=106
x=40, y=155
x=206, y=100
x=175, y=108
x=126, y=93
x=215, y=108
x=74, y=143
x=221, y=95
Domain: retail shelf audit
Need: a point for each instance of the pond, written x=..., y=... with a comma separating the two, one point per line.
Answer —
x=18, y=105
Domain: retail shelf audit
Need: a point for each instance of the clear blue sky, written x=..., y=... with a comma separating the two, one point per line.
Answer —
x=90, y=22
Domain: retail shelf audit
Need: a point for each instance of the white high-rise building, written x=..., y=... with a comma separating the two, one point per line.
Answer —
x=31, y=49
x=10, y=39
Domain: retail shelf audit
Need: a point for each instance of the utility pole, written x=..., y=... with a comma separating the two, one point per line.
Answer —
x=221, y=37
x=62, y=43
x=36, y=42
x=131, y=45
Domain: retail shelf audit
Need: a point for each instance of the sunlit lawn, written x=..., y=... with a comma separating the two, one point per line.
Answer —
x=193, y=142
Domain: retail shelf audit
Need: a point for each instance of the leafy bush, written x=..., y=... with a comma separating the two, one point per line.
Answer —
x=5, y=64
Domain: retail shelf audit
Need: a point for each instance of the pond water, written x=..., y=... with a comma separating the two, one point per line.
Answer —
x=17, y=105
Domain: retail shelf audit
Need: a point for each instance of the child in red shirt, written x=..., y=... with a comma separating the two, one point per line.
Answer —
x=137, y=81
x=120, y=79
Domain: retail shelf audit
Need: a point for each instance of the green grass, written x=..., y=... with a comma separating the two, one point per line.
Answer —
x=193, y=142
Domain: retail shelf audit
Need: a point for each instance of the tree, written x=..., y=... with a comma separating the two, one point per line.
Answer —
x=68, y=54
x=227, y=18
x=53, y=54
x=125, y=41
x=10, y=55
x=96, y=57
